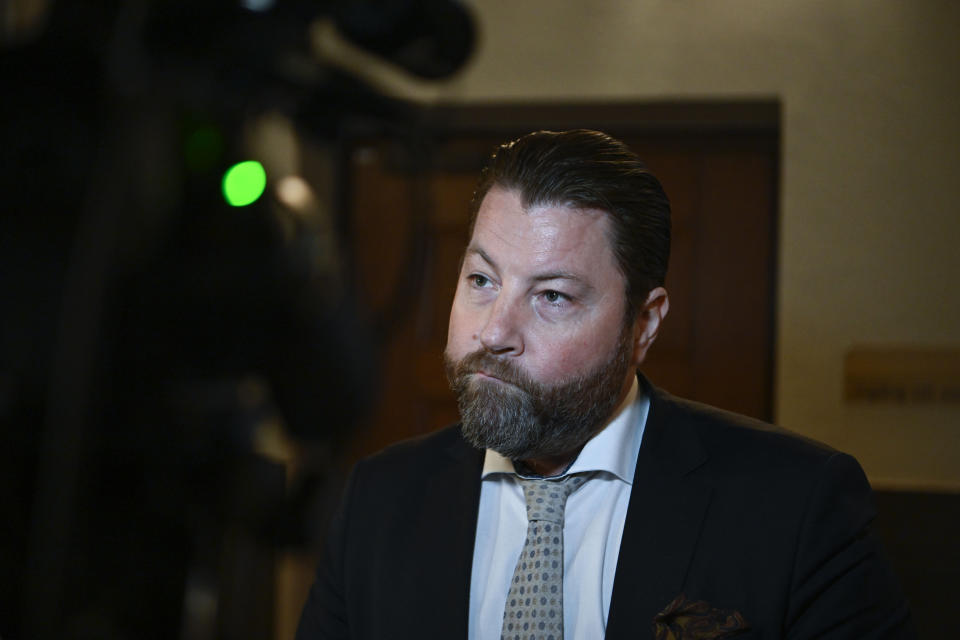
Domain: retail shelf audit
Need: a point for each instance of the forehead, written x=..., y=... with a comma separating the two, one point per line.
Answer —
x=543, y=236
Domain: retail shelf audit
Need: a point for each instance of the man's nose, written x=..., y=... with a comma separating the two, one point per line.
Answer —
x=502, y=331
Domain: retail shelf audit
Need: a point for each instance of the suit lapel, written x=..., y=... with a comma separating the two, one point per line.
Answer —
x=666, y=509
x=455, y=493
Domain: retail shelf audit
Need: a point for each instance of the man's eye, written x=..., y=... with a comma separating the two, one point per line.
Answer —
x=554, y=297
x=479, y=280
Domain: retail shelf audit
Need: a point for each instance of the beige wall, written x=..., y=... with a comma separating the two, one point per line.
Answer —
x=869, y=194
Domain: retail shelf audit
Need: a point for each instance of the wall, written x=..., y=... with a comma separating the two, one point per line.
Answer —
x=871, y=145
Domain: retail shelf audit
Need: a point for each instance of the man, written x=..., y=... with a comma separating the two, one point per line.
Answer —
x=672, y=519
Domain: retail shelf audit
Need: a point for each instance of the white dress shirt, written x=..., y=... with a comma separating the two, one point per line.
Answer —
x=593, y=526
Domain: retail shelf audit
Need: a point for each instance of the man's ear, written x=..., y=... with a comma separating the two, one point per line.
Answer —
x=647, y=323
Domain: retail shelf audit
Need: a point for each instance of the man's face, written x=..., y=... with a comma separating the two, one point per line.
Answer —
x=537, y=341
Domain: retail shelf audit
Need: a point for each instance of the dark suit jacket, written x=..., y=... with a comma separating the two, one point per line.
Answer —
x=724, y=509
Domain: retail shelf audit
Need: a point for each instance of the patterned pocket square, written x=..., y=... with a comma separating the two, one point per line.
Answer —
x=694, y=620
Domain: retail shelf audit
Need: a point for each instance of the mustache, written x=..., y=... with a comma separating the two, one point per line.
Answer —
x=491, y=365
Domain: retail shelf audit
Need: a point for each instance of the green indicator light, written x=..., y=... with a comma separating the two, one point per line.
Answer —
x=244, y=182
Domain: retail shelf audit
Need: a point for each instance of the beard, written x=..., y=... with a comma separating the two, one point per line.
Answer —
x=525, y=419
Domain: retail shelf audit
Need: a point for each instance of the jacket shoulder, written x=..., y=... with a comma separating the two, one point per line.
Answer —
x=737, y=441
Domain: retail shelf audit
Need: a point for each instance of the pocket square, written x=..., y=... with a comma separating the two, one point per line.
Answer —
x=696, y=620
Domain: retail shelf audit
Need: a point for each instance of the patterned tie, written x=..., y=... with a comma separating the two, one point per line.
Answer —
x=534, y=609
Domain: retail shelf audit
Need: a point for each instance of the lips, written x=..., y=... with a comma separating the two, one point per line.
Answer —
x=486, y=376
x=481, y=366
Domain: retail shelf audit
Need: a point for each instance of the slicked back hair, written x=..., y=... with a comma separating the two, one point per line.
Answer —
x=590, y=170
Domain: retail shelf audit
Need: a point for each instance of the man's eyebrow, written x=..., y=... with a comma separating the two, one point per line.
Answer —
x=540, y=277
x=563, y=275
x=478, y=251
x=557, y=275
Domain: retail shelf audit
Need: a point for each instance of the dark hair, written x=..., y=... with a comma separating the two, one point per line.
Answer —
x=589, y=169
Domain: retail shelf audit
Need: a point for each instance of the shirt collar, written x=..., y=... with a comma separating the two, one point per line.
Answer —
x=614, y=449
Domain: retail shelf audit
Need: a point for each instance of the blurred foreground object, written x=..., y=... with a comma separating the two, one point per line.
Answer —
x=154, y=325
